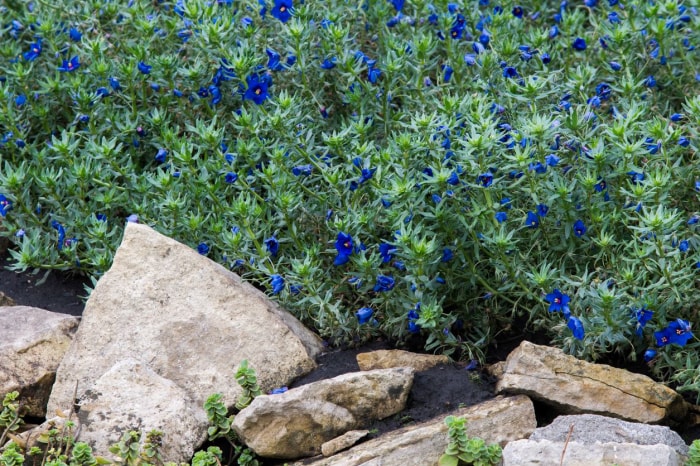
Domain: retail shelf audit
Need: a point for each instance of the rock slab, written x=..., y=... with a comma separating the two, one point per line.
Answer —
x=32, y=344
x=501, y=420
x=384, y=359
x=591, y=428
x=574, y=386
x=343, y=442
x=189, y=319
x=548, y=453
x=296, y=423
x=131, y=396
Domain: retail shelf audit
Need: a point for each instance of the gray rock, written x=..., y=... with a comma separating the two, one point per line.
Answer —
x=343, y=442
x=32, y=344
x=500, y=420
x=130, y=396
x=574, y=386
x=591, y=428
x=548, y=453
x=296, y=423
x=189, y=319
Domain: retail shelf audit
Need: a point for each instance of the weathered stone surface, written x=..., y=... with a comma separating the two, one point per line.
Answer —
x=574, y=386
x=296, y=423
x=500, y=420
x=384, y=359
x=191, y=320
x=6, y=300
x=591, y=428
x=548, y=453
x=343, y=442
x=32, y=344
x=130, y=396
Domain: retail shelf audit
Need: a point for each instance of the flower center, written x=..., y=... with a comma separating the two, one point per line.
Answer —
x=283, y=8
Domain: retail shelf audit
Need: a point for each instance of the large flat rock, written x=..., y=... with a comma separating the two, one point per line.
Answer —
x=549, y=375
x=500, y=420
x=187, y=318
x=32, y=344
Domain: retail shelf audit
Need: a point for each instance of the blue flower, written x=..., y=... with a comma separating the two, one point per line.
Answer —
x=649, y=354
x=277, y=283
x=636, y=177
x=677, y=332
x=161, y=155
x=278, y=391
x=538, y=167
x=282, y=10
x=551, y=160
x=257, y=89
x=576, y=326
x=61, y=233
x=74, y=35
x=532, y=220
x=5, y=205
x=34, y=51
x=501, y=217
x=387, y=251
x=343, y=244
x=272, y=245
x=20, y=100
x=69, y=66
x=273, y=60
x=203, y=248
x=398, y=4
x=384, y=283
x=683, y=246
x=363, y=315
x=329, y=63
x=302, y=170
x=558, y=302
x=579, y=228
x=485, y=179
x=615, y=66
x=447, y=70
x=579, y=44
x=542, y=210
x=114, y=82
x=230, y=177
x=600, y=186
x=677, y=117
x=447, y=255
x=373, y=75
x=144, y=68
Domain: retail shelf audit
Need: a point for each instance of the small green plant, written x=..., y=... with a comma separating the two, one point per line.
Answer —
x=464, y=450
x=247, y=379
x=10, y=419
x=693, y=454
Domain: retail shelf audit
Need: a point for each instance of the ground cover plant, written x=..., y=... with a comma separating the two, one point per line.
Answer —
x=410, y=169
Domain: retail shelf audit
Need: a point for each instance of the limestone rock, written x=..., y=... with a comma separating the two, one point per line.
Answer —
x=500, y=420
x=574, y=386
x=32, y=344
x=343, y=442
x=130, y=396
x=548, y=453
x=189, y=319
x=296, y=423
x=591, y=428
x=6, y=300
x=384, y=359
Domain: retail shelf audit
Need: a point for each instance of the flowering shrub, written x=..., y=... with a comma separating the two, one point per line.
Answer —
x=413, y=169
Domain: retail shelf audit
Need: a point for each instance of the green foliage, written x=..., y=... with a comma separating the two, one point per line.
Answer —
x=12, y=455
x=128, y=449
x=437, y=158
x=247, y=379
x=219, y=422
x=693, y=454
x=464, y=450
x=210, y=457
x=10, y=419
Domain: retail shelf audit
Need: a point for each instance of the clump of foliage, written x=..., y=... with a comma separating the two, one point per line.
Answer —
x=413, y=169
x=464, y=450
x=693, y=454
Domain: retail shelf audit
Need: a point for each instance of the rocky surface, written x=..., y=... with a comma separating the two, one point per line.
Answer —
x=548, y=453
x=189, y=319
x=32, y=344
x=592, y=428
x=131, y=396
x=343, y=442
x=384, y=359
x=574, y=386
x=500, y=420
x=296, y=423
